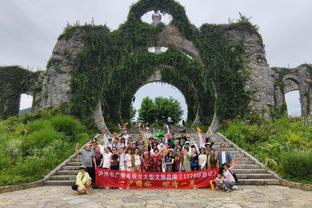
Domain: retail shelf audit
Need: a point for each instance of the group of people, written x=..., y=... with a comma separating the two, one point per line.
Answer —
x=160, y=151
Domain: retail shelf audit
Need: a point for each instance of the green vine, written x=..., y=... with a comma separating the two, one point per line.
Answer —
x=113, y=65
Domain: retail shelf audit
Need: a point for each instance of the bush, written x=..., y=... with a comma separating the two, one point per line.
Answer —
x=67, y=125
x=297, y=165
x=40, y=139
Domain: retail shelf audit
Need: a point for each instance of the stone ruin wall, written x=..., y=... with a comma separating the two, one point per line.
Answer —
x=53, y=86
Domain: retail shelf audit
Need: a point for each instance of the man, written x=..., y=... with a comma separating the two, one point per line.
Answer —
x=83, y=181
x=224, y=156
x=87, y=156
x=107, y=138
x=107, y=158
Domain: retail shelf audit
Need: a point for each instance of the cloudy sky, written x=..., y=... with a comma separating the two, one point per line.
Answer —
x=29, y=28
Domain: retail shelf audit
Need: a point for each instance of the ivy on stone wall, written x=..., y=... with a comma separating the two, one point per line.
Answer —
x=14, y=81
x=113, y=65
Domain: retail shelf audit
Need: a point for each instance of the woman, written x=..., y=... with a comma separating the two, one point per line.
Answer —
x=146, y=161
x=228, y=180
x=169, y=159
x=212, y=159
x=186, y=160
x=202, y=159
x=83, y=181
x=194, y=158
x=178, y=161
x=122, y=156
x=128, y=161
x=157, y=161
x=137, y=160
x=97, y=158
x=114, y=162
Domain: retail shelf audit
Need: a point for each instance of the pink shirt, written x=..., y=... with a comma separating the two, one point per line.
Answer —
x=227, y=176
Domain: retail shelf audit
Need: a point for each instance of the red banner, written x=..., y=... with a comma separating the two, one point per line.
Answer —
x=154, y=180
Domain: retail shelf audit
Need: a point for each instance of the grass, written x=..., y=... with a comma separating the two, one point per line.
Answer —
x=51, y=139
x=284, y=145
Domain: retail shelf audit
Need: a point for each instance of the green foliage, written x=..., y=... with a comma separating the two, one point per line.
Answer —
x=51, y=139
x=14, y=81
x=272, y=142
x=147, y=111
x=297, y=165
x=112, y=66
x=159, y=110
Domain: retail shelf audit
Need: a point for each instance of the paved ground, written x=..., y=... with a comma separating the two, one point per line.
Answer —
x=246, y=196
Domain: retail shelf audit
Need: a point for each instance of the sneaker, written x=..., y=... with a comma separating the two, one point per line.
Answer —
x=235, y=188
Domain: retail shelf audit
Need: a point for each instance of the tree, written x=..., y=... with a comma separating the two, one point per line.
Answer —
x=160, y=109
x=147, y=112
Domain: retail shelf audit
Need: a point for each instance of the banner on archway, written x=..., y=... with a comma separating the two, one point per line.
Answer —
x=155, y=180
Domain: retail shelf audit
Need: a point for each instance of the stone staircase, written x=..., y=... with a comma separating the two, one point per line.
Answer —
x=249, y=171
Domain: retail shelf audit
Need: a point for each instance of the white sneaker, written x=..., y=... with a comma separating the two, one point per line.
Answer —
x=235, y=188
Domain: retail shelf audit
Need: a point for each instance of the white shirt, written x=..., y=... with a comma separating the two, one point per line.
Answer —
x=128, y=160
x=137, y=160
x=223, y=157
x=122, y=160
x=106, y=159
x=202, y=160
x=101, y=149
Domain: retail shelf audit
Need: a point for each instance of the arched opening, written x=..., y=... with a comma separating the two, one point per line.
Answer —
x=25, y=103
x=159, y=89
x=293, y=103
x=155, y=18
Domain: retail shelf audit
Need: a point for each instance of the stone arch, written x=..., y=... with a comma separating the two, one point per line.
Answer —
x=15, y=81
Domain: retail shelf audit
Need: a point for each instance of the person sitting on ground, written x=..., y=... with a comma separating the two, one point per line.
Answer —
x=228, y=180
x=83, y=181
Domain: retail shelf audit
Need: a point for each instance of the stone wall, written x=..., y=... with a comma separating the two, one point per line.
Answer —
x=56, y=83
x=15, y=81
x=288, y=79
x=259, y=83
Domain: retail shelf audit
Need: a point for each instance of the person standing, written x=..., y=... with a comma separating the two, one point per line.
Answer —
x=87, y=159
x=223, y=156
x=114, y=160
x=212, y=159
x=107, y=158
x=202, y=159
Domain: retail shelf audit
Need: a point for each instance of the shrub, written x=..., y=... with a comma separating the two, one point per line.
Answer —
x=67, y=125
x=40, y=139
x=297, y=165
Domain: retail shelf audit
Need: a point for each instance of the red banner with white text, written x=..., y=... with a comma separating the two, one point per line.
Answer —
x=154, y=180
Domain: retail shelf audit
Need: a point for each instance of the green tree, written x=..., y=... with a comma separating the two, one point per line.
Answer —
x=160, y=109
x=147, y=112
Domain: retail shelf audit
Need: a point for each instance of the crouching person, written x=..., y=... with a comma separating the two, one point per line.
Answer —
x=83, y=181
x=228, y=179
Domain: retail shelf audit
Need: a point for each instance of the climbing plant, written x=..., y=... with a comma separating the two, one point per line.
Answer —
x=113, y=65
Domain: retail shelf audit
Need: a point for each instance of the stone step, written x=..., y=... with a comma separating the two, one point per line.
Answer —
x=59, y=182
x=74, y=163
x=254, y=176
x=247, y=166
x=71, y=168
x=63, y=177
x=67, y=172
x=249, y=171
x=258, y=182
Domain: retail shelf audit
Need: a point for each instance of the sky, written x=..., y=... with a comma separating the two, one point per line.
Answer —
x=29, y=28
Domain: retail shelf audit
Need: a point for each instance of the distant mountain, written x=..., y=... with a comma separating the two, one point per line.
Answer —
x=24, y=111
